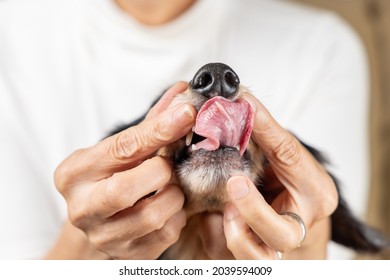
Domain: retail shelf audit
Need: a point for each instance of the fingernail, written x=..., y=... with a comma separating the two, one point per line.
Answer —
x=231, y=212
x=238, y=187
x=187, y=110
x=184, y=110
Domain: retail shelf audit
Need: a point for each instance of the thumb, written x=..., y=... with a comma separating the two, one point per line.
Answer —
x=144, y=139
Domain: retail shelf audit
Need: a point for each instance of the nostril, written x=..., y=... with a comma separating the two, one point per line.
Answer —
x=230, y=82
x=203, y=81
x=231, y=79
x=215, y=79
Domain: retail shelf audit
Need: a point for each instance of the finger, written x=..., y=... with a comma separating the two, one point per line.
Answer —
x=125, y=149
x=281, y=233
x=241, y=240
x=295, y=167
x=211, y=234
x=152, y=213
x=281, y=148
x=118, y=192
x=153, y=245
x=138, y=142
x=167, y=98
x=147, y=216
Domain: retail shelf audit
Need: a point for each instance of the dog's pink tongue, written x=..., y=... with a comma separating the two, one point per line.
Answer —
x=224, y=123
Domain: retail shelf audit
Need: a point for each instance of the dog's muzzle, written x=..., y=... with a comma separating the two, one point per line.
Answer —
x=219, y=145
x=224, y=119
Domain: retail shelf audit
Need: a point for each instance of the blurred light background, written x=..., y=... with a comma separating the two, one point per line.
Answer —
x=371, y=19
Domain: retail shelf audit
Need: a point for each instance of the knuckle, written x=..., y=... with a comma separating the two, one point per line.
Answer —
x=102, y=242
x=99, y=241
x=161, y=168
x=112, y=196
x=330, y=197
x=168, y=234
x=152, y=218
x=105, y=239
x=61, y=177
x=139, y=139
x=65, y=173
x=287, y=151
x=77, y=216
x=160, y=132
x=324, y=198
x=126, y=144
x=333, y=202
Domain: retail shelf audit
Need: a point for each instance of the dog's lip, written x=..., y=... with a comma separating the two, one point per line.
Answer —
x=223, y=122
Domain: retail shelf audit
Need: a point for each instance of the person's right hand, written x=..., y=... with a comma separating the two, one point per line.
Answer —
x=105, y=185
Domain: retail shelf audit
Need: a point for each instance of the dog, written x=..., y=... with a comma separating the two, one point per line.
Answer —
x=218, y=147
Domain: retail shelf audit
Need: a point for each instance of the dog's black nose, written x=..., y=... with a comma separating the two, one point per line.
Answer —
x=215, y=79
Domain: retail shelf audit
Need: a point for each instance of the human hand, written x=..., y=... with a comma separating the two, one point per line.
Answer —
x=107, y=187
x=253, y=224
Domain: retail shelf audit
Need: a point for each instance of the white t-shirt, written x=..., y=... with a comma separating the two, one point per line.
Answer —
x=71, y=70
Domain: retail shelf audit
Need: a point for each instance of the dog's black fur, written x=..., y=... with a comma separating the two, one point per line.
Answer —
x=347, y=230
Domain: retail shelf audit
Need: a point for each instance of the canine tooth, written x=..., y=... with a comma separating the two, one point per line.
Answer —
x=194, y=147
x=237, y=147
x=189, y=138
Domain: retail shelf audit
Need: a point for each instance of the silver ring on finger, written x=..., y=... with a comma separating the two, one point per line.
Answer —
x=297, y=218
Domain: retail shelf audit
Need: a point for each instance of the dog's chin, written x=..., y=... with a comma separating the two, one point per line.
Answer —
x=203, y=174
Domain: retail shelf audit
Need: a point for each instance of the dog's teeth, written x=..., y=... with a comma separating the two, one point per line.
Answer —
x=193, y=128
x=194, y=147
x=237, y=147
x=189, y=138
